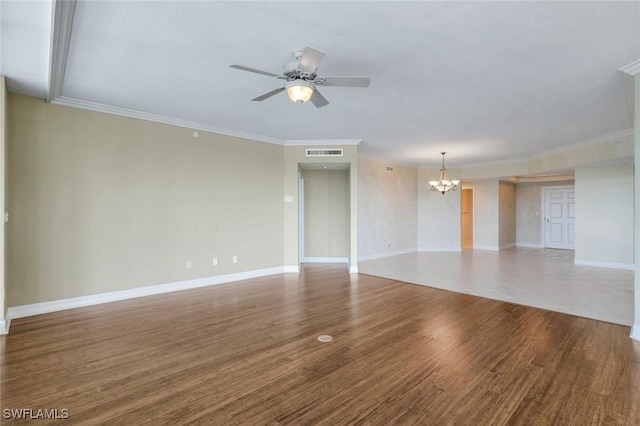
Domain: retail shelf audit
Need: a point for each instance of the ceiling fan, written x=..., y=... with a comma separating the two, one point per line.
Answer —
x=301, y=76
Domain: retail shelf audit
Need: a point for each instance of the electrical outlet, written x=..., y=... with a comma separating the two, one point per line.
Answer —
x=188, y=264
x=215, y=261
x=235, y=259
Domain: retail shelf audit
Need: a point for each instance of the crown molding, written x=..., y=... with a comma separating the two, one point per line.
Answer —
x=541, y=179
x=61, y=24
x=321, y=142
x=124, y=112
x=108, y=109
x=632, y=69
x=600, y=139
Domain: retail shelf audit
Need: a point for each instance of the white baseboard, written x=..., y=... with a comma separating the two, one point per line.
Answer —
x=385, y=254
x=97, y=299
x=635, y=332
x=529, y=245
x=292, y=269
x=598, y=264
x=353, y=269
x=4, y=329
x=446, y=249
x=325, y=260
x=492, y=248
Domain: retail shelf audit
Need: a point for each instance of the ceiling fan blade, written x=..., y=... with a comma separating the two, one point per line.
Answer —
x=347, y=81
x=243, y=68
x=310, y=59
x=268, y=94
x=318, y=100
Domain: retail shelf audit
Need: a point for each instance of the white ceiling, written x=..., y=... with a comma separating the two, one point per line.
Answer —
x=25, y=37
x=484, y=81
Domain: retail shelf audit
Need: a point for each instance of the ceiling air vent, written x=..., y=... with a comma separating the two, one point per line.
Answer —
x=336, y=152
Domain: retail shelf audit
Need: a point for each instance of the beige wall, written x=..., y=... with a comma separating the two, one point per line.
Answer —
x=604, y=214
x=529, y=212
x=438, y=215
x=529, y=215
x=3, y=148
x=293, y=157
x=326, y=211
x=486, y=215
x=507, y=215
x=388, y=212
x=102, y=203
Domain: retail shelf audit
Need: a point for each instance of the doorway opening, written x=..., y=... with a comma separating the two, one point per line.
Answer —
x=466, y=218
x=324, y=213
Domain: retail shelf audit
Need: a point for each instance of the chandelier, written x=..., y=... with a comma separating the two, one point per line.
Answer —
x=443, y=184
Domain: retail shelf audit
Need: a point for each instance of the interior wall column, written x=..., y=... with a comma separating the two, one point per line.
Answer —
x=635, y=330
x=4, y=326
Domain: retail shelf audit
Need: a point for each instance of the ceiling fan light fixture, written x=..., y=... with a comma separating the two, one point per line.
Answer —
x=300, y=91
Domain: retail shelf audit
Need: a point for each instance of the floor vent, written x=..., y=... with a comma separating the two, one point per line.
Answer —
x=336, y=152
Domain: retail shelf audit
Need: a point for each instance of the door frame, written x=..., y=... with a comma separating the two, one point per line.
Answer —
x=300, y=217
x=543, y=211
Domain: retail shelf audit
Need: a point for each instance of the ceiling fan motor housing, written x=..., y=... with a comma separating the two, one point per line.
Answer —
x=292, y=72
x=292, y=69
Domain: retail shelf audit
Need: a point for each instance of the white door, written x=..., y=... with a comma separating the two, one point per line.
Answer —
x=559, y=218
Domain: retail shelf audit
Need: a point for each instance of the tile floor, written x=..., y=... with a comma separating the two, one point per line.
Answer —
x=542, y=278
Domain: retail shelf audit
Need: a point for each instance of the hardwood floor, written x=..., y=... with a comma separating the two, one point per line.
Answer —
x=247, y=353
